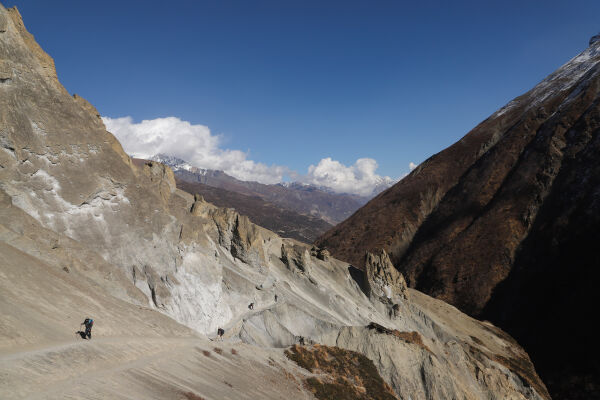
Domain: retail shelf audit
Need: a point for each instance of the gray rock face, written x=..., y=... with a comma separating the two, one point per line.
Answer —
x=383, y=281
x=2, y=23
x=295, y=257
x=90, y=230
x=594, y=39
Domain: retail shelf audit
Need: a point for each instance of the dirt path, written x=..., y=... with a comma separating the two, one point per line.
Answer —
x=149, y=368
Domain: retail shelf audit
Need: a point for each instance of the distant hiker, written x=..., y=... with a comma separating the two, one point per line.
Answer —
x=251, y=306
x=220, y=332
x=88, y=328
x=301, y=340
x=275, y=298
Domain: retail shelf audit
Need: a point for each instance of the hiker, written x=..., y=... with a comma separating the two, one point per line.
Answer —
x=275, y=298
x=220, y=333
x=88, y=328
x=251, y=306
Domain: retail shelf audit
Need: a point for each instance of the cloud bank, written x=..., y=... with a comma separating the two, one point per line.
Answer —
x=198, y=146
x=359, y=178
x=193, y=143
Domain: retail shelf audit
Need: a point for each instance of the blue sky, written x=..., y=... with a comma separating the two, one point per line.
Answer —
x=289, y=83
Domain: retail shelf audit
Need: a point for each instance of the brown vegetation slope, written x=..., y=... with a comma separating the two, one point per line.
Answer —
x=303, y=199
x=503, y=223
x=340, y=374
x=284, y=222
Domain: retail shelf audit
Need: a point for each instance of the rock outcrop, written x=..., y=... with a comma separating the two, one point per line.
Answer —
x=503, y=223
x=382, y=280
x=85, y=232
x=296, y=257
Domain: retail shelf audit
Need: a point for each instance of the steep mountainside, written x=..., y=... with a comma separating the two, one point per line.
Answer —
x=285, y=223
x=85, y=232
x=303, y=199
x=503, y=223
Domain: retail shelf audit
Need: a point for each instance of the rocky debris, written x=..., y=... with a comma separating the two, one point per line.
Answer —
x=148, y=258
x=382, y=281
x=492, y=223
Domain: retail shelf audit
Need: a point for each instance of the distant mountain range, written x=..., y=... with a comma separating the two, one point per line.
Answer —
x=304, y=198
x=219, y=178
x=297, y=210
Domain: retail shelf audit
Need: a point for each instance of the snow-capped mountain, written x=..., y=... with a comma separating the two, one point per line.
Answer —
x=176, y=163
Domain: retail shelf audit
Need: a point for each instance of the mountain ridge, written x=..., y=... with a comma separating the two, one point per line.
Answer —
x=302, y=198
x=471, y=224
x=177, y=164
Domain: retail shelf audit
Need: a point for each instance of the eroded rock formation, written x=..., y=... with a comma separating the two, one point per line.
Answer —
x=383, y=281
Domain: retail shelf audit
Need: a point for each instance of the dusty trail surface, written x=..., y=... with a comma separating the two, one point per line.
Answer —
x=149, y=368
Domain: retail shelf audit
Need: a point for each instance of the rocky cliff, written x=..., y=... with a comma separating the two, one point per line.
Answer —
x=85, y=232
x=502, y=223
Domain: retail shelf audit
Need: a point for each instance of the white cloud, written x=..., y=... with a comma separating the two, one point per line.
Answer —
x=412, y=165
x=193, y=143
x=359, y=178
x=198, y=146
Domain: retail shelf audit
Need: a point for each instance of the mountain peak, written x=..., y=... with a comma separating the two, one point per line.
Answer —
x=595, y=39
x=177, y=164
